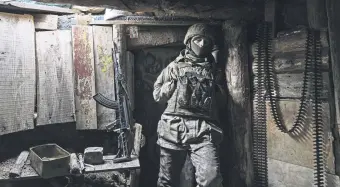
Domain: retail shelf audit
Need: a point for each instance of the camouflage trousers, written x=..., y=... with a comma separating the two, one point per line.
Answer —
x=182, y=136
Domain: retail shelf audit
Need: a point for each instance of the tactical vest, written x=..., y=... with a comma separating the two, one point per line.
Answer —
x=195, y=92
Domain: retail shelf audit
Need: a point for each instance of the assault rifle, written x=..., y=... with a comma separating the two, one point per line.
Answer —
x=122, y=106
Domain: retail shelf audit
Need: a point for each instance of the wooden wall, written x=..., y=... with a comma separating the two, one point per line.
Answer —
x=49, y=76
x=17, y=73
x=296, y=152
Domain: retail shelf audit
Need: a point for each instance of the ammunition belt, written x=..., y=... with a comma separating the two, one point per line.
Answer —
x=265, y=87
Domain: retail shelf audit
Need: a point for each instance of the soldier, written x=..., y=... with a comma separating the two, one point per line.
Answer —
x=189, y=124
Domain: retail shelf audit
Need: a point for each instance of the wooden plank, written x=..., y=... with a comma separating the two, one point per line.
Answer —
x=19, y=164
x=295, y=40
x=295, y=61
x=30, y=7
x=290, y=85
x=109, y=165
x=27, y=171
x=83, y=59
x=137, y=143
x=55, y=93
x=130, y=77
x=292, y=42
x=45, y=21
x=333, y=15
x=298, y=149
x=149, y=22
x=104, y=71
x=239, y=104
x=17, y=73
x=157, y=36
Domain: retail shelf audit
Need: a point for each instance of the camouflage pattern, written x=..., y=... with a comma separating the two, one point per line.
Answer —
x=189, y=124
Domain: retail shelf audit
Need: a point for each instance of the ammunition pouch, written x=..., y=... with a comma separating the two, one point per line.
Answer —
x=195, y=92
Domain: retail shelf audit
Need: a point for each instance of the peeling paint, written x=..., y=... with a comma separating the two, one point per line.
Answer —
x=105, y=60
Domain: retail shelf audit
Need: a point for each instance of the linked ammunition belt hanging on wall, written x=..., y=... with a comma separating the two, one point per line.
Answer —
x=265, y=87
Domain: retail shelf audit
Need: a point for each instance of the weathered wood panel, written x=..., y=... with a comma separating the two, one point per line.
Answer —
x=130, y=77
x=156, y=36
x=295, y=61
x=290, y=85
x=298, y=149
x=45, y=22
x=104, y=71
x=239, y=106
x=82, y=19
x=17, y=73
x=289, y=41
x=55, y=93
x=333, y=15
x=83, y=60
x=292, y=41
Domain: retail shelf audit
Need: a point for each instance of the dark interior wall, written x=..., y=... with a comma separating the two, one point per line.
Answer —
x=149, y=62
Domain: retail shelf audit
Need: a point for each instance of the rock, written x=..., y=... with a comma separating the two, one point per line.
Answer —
x=93, y=155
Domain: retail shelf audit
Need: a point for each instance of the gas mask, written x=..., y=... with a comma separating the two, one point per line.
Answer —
x=201, y=46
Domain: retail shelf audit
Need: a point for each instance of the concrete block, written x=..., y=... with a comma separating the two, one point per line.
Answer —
x=93, y=155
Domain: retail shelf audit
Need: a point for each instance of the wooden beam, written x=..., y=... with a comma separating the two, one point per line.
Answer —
x=294, y=41
x=55, y=93
x=316, y=13
x=19, y=164
x=45, y=22
x=83, y=60
x=150, y=22
x=35, y=8
x=109, y=165
x=215, y=9
x=239, y=104
x=130, y=77
x=104, y=72
x=157, y=36
x=333, y=14
x=294, y=62
x=17, y=73
x=270, y=14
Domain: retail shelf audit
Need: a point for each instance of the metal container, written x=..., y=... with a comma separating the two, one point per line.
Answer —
x=50, y=160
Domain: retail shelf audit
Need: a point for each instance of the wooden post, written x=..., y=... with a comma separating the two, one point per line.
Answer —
x=239, y=107
x=270, y=14
x=316, y=12
x=333, y=15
